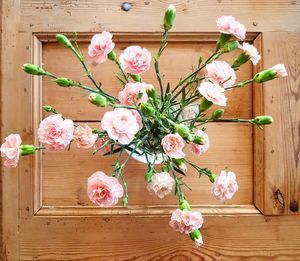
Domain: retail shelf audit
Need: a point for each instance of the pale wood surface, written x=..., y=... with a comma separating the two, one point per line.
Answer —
x=234, y=232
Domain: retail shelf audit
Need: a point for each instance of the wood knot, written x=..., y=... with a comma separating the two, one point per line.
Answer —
x=279, y=197
x=294, y=206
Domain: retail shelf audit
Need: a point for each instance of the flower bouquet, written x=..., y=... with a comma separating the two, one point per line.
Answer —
x=152, y=125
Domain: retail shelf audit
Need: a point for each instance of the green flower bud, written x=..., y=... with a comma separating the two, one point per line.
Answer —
x=240, y=60
x=212, y=178
x=64, y=82
x=147, y=109
x=218, y=114
x=49, y=108
x=125, y=201
x=204, y=105
x=27, y=149
x=169, y=17
x=33, y=69
x=223, y=39
x=263, y=120
x=230, y=46
x=112, y=56
x=136, y=77
x=265, y=75
x=195, y=234
x=63, y=41
x=184, y=205
x=198, y=140
x=97, y=99
x=183, y=130
x=150, y=90
x=149, y=175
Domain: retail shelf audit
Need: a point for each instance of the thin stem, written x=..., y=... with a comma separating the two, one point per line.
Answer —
x=177, y=182
x=121, y=70
x=239, y=85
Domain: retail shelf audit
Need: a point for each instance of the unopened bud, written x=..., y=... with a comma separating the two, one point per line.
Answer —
x=112, y=56
x=198, y=140
x=64, y=82
x=230, y=46
x=49, y=108
x=212, y=177
x=184, y=205
x=33, y=69
x=240, y=60
x=218, y=114
x=180, y=164
x=147, y=109
x=27, y=149
x=169, y=17
x=150, y=90
x=204, y=105
x=97, y=99
x=136, y=77
x=196, y=237
x=63, y=41
x=263, y=120
x=183, y=130
x=271, y=73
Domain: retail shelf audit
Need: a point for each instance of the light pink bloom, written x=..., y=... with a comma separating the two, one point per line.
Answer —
x=103, y=190
x=183, y=167
x=100, y=143
x=225, y=185
x=132, y=90
x=228, y=25
x=135, y=60
x=221, y=73
x=251, y=51
x=280, y=70
x=198, y=241
x=200, y=149
x=10, y=150
x=138, y=117
x=84, y=137
x=120, y=124
x=213, y=92
x=55, y=132
x=173, y=145
x=101, y=45
x=161, y=184
x=186, y=221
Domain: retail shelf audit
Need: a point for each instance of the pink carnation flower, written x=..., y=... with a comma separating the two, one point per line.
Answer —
x=101, y=45
x=10, y=150
x=200, y=149
x=84, y=137
x=103, y=190
x=225, y=186
x=173, y=145
x=221, y=73
x=228, y=25
x=100, y=143
x=135, y=60
x=55, y=132
x=133, y=93
x=138, y=117
x=186, y=221
x=213, y=92
x=280, y=70
x=250, y=50
x=161, y=184
x=120, y=124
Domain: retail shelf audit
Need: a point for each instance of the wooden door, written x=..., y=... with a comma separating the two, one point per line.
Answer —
x=46, y=214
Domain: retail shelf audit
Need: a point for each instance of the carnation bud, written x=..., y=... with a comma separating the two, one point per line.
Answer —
x=33, y=69
x=218, y=114
x=27, y=149
x=183, y=131
x=136, y=77
x=212, y=177
x=240, y=60
x=147, y=109
x=63, y=41
x=198, y=140
x=97, y=99
x=270, y=74
x=112, y=56
x=64, y=82
x=196, y=237
x=184, y=205
x=49, y=108
x=230, y=46
x=169, y=18
x=263, y=120
x=180, y=164
x=150, y=90
x=204, y=105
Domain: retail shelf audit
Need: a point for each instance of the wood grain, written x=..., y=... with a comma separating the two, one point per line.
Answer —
x=282, y=147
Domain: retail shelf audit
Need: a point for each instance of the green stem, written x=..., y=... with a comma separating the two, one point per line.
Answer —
x=239, y=85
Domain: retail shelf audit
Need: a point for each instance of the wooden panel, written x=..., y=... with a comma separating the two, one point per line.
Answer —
x=226, y=238
x=64, y=182
x=282, y=139
x=174, y=64
x=146, y=16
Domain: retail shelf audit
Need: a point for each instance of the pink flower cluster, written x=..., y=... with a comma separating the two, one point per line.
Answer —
x=228, y=25
x=200, y=149
x=186, y=221
x=101, y=45
x=10, y=150
x=225, y=186
x=55, y=132
x=161, y=184
x=103, y=190
x=173, y=145
x=84, y=137
x=220, y=72
x=213, y=93
x=135, y=60
x=133, y=93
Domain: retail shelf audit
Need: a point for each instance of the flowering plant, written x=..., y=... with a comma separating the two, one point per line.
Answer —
x=152, y=125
